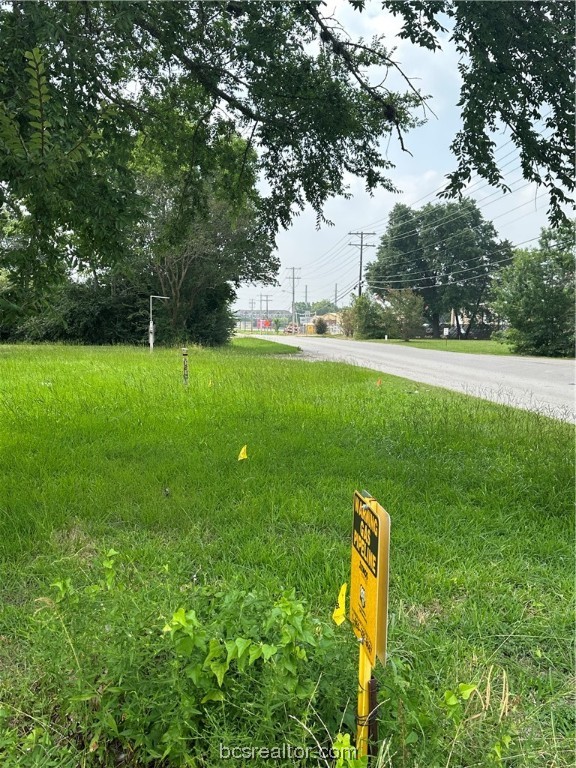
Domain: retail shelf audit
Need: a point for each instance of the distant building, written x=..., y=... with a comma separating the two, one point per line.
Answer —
x=251, y=319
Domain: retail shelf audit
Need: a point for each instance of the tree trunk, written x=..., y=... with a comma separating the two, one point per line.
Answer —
x=435, y=318
x=458, y=328
x=475, y=312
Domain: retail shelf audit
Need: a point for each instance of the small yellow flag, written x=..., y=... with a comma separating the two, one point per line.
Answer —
x=379, y=382
x=340, y=611
x=243, y=453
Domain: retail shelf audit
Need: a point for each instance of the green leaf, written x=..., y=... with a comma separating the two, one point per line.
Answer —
x=213, y=695
x=450, y=698
x=465, y=690
x=179, y=618
x=194, y=673
x=268, y=651
x=219, y=668
x=243, y=645
x=255, y=653
x=184, y=645
x=87, y=696
x=109, y=721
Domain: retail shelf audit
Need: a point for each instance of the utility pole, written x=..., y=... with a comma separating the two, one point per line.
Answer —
x=336, y=295
x=306, y=297
x=293, y=296
x=361, y=245
x=267, y=296
x=252, y=303
x=260, y=313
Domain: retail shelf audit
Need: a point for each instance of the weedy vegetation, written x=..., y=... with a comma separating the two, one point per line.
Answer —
x=161, y=600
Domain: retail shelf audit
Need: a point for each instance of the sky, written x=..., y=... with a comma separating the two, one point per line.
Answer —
x=325, y=263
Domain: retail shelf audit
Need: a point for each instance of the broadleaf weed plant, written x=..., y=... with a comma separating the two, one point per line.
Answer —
x=230, y=666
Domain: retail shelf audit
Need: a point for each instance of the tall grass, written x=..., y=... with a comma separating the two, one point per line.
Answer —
x=107, y=448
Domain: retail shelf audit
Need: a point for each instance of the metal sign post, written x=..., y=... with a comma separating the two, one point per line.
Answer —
x=151, y=323
x=369, y=607
x=185, y=363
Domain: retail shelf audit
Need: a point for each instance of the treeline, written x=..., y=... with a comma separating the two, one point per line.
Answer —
x=443, y=265
x=132, y=135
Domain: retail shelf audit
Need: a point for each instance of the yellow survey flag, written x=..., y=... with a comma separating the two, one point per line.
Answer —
x=379, y=382
x=243, y=453
x=340, y=611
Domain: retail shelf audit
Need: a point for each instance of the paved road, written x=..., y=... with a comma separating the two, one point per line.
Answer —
x=533, y=383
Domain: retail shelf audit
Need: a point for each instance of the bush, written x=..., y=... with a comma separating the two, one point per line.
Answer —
x=404, y=317
x=228, y=666
x=536, y=295
x=320, y=325
x=368, y=319
x=347, y=322
x=85, y=313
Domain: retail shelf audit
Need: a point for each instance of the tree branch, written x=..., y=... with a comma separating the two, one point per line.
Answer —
x=339, y=49
x=200, y=73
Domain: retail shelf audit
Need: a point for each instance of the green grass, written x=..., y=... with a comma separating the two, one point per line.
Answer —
x=469, y=346
x=255, y=346
x=106, y=448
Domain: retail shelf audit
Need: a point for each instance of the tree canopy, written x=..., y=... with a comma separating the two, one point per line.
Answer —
x=536, y=294
x=446, y=252
x=321, y=307
x=80, y=79
x=246, y=91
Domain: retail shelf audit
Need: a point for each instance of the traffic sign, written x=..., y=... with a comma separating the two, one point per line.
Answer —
x=369, y=575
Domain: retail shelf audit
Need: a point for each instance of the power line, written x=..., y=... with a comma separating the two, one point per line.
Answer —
x=383, y=284
x=480, y=178
x=464, y=261
x=401, y=261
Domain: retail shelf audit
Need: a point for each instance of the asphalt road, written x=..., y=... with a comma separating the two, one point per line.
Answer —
x=537, y=384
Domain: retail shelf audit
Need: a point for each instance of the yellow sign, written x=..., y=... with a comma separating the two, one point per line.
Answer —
x=369, y=575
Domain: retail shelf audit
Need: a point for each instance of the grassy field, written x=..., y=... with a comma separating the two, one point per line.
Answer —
x=468, y=346
x=122, y=500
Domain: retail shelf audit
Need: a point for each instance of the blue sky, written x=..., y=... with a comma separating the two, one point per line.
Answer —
x=323, y=258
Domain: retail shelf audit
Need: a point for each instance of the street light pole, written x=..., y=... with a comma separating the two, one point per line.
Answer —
x=151, y=325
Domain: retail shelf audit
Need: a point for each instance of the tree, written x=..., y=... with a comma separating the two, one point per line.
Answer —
x=368, y=318
x=324, y=307
x=301, y=307
x=82, y=81
x=347, y=322
x=202, y=235
x=536, y=295
x=403, y=314
x=320, y=326
x=446, y=252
